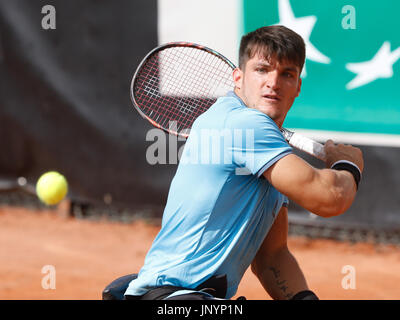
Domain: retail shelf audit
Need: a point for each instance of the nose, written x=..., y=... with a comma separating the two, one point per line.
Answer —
x=272, y=80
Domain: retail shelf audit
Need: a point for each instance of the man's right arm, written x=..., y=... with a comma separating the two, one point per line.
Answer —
x=324, y=192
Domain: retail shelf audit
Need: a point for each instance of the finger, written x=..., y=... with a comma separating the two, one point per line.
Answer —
x=329, y=143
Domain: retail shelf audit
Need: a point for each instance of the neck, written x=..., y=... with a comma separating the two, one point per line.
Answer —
x=239, y=94
x=278, y=122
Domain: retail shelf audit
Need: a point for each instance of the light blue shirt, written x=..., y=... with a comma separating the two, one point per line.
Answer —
x=219, y=207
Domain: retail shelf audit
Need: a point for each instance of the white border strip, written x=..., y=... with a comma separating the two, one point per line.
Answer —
x=366, y=139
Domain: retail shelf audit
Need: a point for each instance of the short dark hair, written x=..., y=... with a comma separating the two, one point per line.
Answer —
x=273, y=41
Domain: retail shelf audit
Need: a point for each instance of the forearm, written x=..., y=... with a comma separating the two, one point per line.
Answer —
x=281, y=276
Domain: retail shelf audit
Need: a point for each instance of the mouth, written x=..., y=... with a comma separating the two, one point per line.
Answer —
x=271, y=97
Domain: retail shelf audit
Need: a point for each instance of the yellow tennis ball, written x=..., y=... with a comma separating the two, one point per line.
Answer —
x=51, y=187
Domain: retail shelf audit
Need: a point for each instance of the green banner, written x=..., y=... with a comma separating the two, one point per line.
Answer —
x=351, y=81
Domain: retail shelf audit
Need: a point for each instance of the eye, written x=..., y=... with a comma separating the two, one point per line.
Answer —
x=288, y=75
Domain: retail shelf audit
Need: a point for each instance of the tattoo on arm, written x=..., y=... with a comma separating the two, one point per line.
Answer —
x=281, y=283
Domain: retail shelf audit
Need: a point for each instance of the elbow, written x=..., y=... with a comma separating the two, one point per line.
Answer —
x=335, y=203
x=329, y=212
x=335, y=196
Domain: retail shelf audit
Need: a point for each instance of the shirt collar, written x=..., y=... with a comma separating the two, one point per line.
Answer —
x=234, y=95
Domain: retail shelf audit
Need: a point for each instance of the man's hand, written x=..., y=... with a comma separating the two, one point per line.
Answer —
x=343, y=152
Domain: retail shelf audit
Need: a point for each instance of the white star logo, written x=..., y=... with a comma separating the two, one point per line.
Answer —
x=303, y=26
x=380, y=66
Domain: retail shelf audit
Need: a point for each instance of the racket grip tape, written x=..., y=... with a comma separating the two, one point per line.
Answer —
x=307, y=145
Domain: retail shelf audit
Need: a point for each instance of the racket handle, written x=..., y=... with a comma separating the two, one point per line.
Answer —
x=305, y=144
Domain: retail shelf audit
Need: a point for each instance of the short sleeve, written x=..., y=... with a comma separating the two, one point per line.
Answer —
x=258, y=142
x=285, y=202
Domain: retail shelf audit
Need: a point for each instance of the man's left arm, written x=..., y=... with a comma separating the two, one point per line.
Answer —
x=276, y=268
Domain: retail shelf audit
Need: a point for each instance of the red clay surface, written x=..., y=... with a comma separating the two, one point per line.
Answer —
x=87, y=255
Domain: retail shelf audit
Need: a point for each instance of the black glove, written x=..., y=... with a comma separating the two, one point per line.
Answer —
x=305, y=295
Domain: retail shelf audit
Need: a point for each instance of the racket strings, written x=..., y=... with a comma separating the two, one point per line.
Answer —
x=172, y=70
x=191, y=81
x=180, y=83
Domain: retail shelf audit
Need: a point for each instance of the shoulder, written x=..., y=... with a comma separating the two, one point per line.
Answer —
x=248, y=118
x=230, y=102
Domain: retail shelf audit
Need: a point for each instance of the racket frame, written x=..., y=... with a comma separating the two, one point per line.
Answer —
x=153, y=52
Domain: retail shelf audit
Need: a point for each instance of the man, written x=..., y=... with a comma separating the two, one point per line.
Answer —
x=217, y=222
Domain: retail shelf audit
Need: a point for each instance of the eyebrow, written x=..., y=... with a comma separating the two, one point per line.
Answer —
x=266, y=65
x=294, y=69
x=262, y=64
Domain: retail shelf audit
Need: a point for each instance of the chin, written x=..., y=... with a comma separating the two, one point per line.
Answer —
x=270, y=111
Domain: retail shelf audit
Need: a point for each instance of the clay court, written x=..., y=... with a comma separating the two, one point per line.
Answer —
x=88, y=254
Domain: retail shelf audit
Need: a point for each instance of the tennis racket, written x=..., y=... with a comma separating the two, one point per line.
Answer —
x=178, y=81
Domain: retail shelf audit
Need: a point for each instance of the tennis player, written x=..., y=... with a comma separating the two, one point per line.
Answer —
x=217, y=222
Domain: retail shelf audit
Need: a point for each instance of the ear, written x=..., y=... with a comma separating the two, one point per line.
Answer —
x=238, y=78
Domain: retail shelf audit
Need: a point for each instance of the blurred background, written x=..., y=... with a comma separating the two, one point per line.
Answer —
x=65, y=72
